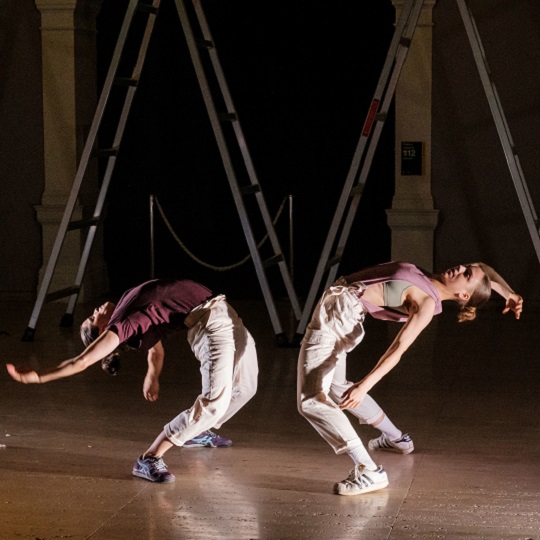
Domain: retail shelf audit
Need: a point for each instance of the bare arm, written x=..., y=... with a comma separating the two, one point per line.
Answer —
x=155, y=364
x=421, y=312
x=105, y=344
x=514, y=302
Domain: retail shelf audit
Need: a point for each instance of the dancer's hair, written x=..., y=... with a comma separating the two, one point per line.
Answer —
x=111, y=363
x=478, y=298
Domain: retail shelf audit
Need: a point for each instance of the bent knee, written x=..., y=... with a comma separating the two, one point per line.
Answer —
x=308, y=406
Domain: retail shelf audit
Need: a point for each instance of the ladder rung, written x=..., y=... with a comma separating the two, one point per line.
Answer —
x=82, y=223
x=126, y=81
x=381, y=117
x=147, y=8
x=106, y=152
x=62, y=293
x=332, y=262
x=252, y=188
x=273, y=260
x=205, y=44
x=228, y=117
x=357, y=190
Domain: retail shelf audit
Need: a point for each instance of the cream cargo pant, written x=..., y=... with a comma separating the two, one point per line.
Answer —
x=229, y=369
x=335, y=329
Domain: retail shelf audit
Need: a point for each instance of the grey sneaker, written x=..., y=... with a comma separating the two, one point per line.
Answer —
x=361, y=480
x=153, y=468
x=403, y=445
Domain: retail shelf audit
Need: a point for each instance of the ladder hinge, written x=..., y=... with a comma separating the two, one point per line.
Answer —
x=228, y=117
x=126, y=81
x=357, y=190
x=62, y=293
x=333, y=261
x=273, y=260
x=82, y=223
x=381, y=117
x=252, y=188
x=205, y=44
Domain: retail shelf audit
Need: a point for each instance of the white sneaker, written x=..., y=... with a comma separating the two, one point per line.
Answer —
x=403, y=445
x=362, y=481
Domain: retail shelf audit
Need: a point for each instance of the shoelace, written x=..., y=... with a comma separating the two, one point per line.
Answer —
x=159, y=464
x=356, y=478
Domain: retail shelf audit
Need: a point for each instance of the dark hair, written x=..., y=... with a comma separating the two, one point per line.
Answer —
x=89, y=333
x=478, y=298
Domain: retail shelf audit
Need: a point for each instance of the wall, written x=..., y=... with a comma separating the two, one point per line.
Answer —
x=21, y=147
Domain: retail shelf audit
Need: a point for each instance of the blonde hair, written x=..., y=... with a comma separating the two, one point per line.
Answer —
x=478, y=298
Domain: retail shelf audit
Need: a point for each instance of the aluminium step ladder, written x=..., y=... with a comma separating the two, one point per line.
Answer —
x=377, y=113
x=363, y=156
x=150, y=9
x=510, y=152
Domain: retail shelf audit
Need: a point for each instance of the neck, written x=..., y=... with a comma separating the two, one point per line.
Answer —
x=444, y=293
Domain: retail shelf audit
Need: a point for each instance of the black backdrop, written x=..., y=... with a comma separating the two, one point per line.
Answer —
x=302, y=75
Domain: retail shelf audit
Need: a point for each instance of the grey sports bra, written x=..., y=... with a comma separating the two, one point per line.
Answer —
x=393, y=291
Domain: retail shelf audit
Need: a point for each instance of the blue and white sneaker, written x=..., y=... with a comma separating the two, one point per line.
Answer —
x=209, y=439
x=403, y=445
x=361, y=480
x=153, y=468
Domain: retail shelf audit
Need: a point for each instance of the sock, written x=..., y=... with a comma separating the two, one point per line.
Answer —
x=387, y=427
x=360, y=457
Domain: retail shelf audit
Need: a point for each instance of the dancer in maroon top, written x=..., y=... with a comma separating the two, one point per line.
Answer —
x=394, y=291
x=143, y=318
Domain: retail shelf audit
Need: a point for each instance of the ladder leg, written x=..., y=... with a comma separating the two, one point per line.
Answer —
x=231, y=176
x=384, y=92
x=79, y=177
x=501, y=124
x=242, y=144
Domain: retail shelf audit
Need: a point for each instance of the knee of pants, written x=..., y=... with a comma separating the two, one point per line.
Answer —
x=308, y=407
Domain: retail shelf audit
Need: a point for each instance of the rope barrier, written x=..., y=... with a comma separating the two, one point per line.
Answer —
x=200, y=261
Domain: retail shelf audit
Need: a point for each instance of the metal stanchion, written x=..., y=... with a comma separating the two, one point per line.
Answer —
x=152, y=268
x=291, y=239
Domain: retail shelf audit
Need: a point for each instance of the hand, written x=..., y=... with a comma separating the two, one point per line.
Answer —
x=22, y=375
x=151, y=388
x=353, y=396
x=514, y=303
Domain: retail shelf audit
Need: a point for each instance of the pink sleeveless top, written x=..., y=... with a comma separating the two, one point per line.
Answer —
x=388, y=272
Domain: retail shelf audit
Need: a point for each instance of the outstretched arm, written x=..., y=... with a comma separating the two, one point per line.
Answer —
x=514, y=302
x=101, y=347
x=420, y=314
x=155, y=364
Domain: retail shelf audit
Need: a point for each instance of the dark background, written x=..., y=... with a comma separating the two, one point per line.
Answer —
x=302, y=77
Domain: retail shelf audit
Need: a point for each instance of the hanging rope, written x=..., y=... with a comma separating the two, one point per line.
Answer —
x=205, y=264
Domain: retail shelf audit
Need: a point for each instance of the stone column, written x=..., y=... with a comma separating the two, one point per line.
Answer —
x=68, y=36
x=412, y=217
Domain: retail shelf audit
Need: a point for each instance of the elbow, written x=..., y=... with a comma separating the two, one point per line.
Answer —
x=80, y=365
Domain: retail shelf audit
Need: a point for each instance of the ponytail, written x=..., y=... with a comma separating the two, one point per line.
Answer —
x=467, y=313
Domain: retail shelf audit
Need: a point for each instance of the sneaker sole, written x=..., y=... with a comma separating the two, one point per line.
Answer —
x=168, y=480
x=392, y=449
x=373, y=487
x=206, y=446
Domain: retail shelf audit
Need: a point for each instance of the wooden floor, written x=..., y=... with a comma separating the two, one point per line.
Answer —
x=467, y=394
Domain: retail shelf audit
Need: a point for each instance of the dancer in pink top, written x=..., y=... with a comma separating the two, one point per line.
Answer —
x=394, y=291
